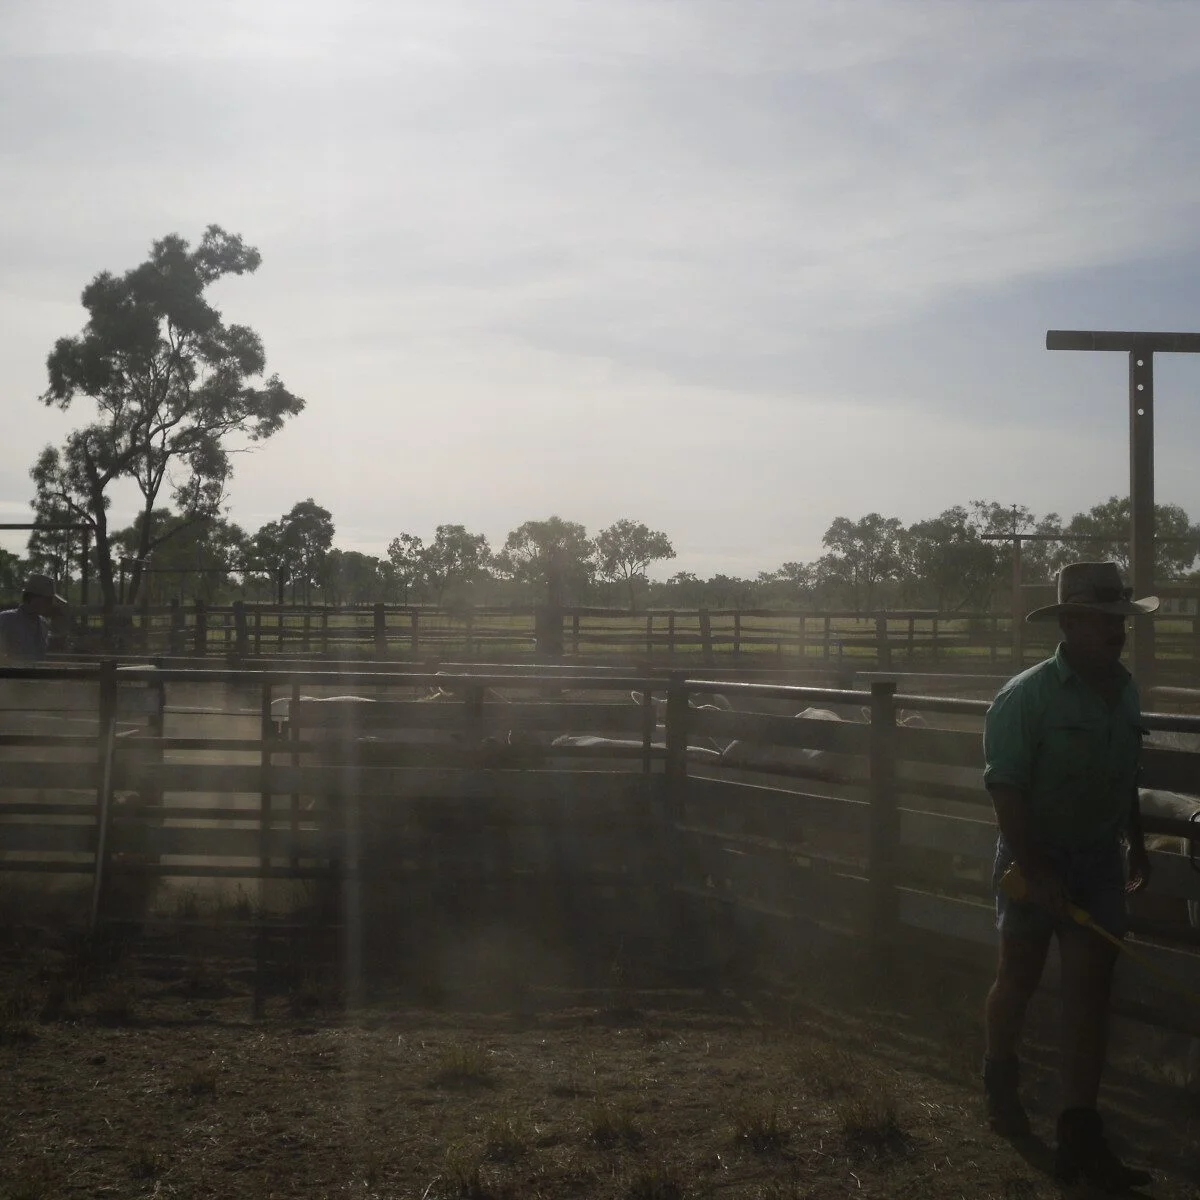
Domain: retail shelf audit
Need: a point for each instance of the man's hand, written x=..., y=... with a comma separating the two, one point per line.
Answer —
x=1139, y=868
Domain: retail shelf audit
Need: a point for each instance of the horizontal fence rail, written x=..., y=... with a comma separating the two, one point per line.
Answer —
x=838, y=640
x=856, y=810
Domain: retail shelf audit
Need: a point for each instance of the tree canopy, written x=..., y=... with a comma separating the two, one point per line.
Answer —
x=454, y=559
x=174, y=386
x=194, y=557
x=294, y=548
x=554, y=555
x=626, y=550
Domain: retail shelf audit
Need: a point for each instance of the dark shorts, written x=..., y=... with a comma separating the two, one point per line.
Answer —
x=1095, y=878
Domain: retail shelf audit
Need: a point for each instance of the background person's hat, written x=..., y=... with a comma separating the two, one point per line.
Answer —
x=41, y=585
x=1094, y=587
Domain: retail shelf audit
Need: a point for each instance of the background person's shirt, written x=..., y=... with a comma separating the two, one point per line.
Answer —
x=24, y=637
x=1075, y=760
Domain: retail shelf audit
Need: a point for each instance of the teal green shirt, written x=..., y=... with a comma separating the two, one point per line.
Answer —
x=1075, y=760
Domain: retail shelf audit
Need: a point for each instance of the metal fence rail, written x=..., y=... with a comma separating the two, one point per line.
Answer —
x=887, y=837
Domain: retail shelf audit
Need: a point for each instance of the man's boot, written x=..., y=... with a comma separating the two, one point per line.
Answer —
x=1001, y=1086
x=1083, y=1152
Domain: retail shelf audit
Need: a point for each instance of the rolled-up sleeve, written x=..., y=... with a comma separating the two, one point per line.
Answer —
x=1008, y=742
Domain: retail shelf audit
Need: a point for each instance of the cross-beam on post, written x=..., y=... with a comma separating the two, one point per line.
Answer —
x=1141, y=348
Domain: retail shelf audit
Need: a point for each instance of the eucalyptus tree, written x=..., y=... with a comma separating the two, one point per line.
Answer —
x=175, y=388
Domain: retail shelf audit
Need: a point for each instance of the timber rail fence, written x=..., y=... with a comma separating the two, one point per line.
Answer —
x=841, y=639
x=108, y=774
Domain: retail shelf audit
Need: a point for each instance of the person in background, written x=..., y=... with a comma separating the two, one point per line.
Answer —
x=26, y=631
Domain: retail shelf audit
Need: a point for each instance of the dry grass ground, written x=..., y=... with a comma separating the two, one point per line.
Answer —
x=132, y=1072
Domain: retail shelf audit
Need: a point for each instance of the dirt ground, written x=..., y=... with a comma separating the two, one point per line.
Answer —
x=138, y=1070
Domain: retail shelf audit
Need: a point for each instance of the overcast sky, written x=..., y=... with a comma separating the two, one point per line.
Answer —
x=729, y=268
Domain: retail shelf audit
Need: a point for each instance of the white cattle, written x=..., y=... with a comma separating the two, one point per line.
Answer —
x=802, y=759
x=1177, y=807
x=1182, y=1058
x=500, y=749
x=440, y=694
x=588, y=741
x=715, y=703
x=704, y=750
x=281, y=709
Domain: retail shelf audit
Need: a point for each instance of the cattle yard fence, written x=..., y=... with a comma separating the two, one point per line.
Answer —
x=394, y=807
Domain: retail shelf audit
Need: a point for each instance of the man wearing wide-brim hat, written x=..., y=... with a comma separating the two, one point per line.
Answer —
x=25, y=631
x=1062, y=743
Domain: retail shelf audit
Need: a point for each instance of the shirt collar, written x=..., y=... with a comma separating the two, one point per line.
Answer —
x=1066, y=672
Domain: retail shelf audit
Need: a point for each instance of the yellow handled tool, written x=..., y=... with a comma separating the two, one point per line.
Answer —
x=1014, y=885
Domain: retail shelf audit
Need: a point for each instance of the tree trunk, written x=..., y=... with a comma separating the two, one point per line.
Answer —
x=104, y=564
x=139, y=562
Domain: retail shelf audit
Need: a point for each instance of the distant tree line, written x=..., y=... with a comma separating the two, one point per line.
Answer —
x=950, y=562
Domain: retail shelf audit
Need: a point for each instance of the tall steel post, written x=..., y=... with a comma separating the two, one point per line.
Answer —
x=1141, y=348
x=1018, y=612
x=1141, y=504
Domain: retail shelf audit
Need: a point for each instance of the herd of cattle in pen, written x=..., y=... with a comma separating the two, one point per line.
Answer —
x=728, y=755
x=641, y=736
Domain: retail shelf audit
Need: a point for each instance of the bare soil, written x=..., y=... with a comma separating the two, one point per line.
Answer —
x=138, y=1070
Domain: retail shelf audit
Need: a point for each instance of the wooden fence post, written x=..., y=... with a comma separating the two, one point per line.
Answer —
x=156, y=723
x=649, y=719
x=470, y=632
x=266, y=735
x=241, y=634
x=414, y=634
x=147, y=797
x=548, y=630
x=883, y=647
x=650, y=637
x=176, y=642
x=258, y=633
x=802, y=641
x=146, y=621
x=826, y=638
x=676, y=739
x=737, y=636
x=105, y=749
x=200, y=644
x=706, y=643
x=380, y=631
x=575, y=634
x=324, y=630
x=293, y=736
x=473, y=719
x=884, y=838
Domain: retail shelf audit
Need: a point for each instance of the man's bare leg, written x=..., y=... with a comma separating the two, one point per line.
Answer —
x=1018, y=973
x=1087, y=972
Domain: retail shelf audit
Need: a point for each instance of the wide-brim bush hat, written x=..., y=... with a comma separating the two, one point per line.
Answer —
x=1094, y=587
x=41, y=585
